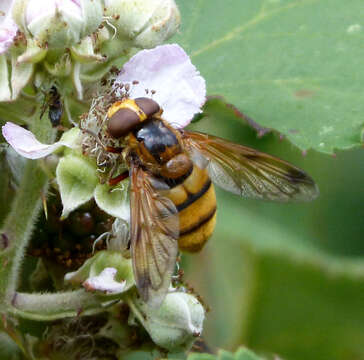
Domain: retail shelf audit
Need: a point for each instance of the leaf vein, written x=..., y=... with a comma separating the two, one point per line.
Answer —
x=261, y=16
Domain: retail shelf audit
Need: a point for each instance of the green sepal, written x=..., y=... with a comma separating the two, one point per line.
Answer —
x=71, y=139
x=20, y=75
x=61, y=68
x=176, y=324
x=114, y=200
x=77, y=179
x=84, y=52
x=33, y=54
x=102, y=260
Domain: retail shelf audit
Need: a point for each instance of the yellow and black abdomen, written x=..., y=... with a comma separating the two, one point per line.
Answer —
x=190, y=187
x=196, y=203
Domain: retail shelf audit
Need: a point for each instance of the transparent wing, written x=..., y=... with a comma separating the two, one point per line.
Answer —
x=153, y=237
x=248, y=172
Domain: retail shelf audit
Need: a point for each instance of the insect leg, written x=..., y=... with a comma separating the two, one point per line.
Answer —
x=117, y=179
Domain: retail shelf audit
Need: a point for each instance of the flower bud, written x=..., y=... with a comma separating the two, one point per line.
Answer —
x=177, y=323
x=8, y=27
x=146, y=22
x=58, y=23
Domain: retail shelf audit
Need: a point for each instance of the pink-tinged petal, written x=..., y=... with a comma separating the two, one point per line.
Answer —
x=39, y=8
x=105, y=282
x=25, y=143
x=8, y=28
x=169, y=77
x=70, y=7
x=43, y=9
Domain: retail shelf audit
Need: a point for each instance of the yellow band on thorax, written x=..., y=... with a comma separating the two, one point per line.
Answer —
x=126, y=104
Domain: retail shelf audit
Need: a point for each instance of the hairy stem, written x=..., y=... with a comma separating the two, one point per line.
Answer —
x=135, y=309
x=14, y=237
x=46, y=307
x=18, y=225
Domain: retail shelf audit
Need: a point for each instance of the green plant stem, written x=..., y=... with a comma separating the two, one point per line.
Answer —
x=47, y=307
x=135, y=309
x=14, y=238
x=18, y=225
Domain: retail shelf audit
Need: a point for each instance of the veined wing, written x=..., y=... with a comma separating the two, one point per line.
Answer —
x=248, y=172
x=154, y=237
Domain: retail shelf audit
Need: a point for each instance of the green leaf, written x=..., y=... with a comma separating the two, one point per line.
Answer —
x=8, y=348
x=245, y=354
x=146, y=352
x=201, y=357
x=77, y=180
x=241, y=354
x=262, y=273
x=224, y=355
x=292, y=65
x=287, y=298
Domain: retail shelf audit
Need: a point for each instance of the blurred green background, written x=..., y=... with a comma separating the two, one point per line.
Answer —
x=286, y=278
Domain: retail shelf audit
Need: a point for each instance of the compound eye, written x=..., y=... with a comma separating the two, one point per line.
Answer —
x=122, y=122
x=149, y=106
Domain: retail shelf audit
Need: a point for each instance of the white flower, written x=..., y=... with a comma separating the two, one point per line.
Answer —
x=167, y=75
x=25, y=143
x=171, y=80
x=8, y=27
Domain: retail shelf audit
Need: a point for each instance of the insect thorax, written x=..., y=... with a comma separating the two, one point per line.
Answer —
x=128, y=114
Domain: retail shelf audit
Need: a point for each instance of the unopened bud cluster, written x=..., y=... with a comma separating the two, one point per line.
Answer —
x=75, y=42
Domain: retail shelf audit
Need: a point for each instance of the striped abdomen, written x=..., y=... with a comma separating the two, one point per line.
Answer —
x=158, y=147
x=196, y=203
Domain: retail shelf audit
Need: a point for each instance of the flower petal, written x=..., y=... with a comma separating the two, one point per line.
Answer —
x=105, y=282
x=8, y=28
x=39, y=8
x=179, y=88
x=25, y=143
x=70, y=7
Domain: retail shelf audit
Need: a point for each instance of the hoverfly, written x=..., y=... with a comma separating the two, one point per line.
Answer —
x=172, y=198
x=55, y=108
